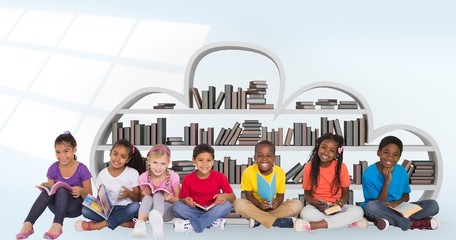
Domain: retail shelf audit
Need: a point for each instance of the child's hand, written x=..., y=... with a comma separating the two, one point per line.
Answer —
x=124, y=192
x=339, y=202
x=76, y=191
x=265, y=204
x=189, y=201
x=387, y=174
x=146, y=191
x=320, y=205
x=167, y=197
x=274, y=204
x=44, y=184
x=219, y=198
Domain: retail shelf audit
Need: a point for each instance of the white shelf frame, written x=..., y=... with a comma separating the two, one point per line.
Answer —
x=100, y=145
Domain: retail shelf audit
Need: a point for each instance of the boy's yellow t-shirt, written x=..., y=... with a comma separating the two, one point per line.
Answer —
x=249, y=180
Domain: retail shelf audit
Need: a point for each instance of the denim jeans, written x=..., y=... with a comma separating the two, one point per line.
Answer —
x=119, y=214
x=62, y=204
x=199, y=218
x=376, y=209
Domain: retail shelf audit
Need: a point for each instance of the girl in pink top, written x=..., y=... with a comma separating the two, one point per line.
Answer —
x=326, y=183
x=156, y=204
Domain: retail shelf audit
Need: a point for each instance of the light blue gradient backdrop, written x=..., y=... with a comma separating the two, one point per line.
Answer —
x=65, y=64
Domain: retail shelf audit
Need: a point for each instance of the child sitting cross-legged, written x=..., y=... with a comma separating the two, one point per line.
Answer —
x=203, y=187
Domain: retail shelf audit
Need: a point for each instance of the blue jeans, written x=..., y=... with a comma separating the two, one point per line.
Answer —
x=376, y=209
x=118, y=215
x=199, y=218
x=62, y=204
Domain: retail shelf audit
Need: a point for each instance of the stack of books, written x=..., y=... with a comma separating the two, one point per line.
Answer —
x=182, y=167
x=423, y=172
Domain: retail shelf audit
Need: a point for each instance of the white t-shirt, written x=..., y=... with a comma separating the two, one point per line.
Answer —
x=128, y=178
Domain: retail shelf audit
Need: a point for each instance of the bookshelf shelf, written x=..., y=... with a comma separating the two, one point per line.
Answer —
x=281, y=108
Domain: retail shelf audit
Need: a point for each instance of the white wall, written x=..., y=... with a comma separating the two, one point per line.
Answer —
x=65, y=64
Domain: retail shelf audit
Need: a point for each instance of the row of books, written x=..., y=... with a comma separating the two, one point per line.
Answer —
x=140, y=133
x=247, y=133
x=251, y=98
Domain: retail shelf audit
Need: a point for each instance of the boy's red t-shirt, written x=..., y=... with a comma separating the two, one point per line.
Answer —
x=203, y=191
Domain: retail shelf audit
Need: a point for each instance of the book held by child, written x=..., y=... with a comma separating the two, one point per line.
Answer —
x=152, y=188
x=52, y=189
x=101, y=205
x=407, y=209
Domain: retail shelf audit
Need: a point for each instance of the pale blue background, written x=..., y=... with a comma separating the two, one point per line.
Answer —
x=65, y=64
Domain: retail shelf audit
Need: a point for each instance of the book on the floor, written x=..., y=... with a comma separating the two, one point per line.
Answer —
x=52, y=189
x=207, y=208
x=407, y=209
x=266, y=190
x=101, y=205
x=152, y=188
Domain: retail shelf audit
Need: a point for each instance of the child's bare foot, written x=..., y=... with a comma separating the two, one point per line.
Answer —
x=129, y=224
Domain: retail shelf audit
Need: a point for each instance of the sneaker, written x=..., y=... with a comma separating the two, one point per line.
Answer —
x=301, y=225
x=253, y=223
x=381, y=224
x=156, y=222
x=425, y=224
x=363, y=223
x=139, y=230
x=219, y=223
x=181, y=225
x=284, y=222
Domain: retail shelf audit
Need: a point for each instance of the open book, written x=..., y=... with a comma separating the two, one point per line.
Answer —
x=207, y=208
x=52, y=189
x=406, y=209
x=266, y=190
x=331, y=209
x=152, y=188
x=101, y=205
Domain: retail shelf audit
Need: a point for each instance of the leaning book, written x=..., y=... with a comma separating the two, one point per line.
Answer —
x=407, y=209
x=50, y=190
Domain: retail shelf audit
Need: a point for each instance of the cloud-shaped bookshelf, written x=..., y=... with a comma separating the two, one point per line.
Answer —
x=429, y=146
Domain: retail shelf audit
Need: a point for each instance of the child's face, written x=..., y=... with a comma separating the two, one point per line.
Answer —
x=64, y=153
x=158, y=165
x=264, y=158
x=327, y=151
x=119, y=156
x=204, y=162
x=389, y=155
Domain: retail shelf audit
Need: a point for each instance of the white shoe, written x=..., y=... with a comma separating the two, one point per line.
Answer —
x=156, y=222
x=363, y=223
x=181, y=225
x=219, y=223
x=301, y=225
x=140, y=229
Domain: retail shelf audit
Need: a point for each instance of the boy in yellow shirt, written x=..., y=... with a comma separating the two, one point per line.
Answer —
x=256, y=206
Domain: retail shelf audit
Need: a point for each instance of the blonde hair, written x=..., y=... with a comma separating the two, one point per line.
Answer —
x=157, y=151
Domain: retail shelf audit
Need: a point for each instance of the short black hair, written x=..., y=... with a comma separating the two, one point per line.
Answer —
x=202, y=148
x=265, y=143
x=391, y=139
